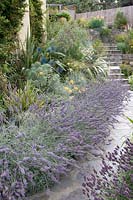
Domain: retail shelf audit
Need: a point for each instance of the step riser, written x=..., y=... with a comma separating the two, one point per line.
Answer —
x=115, y=71
x=121, y=80
x=124, y=81
x=115, y=76
x=112, y=48
x=113, y=56
x=113, y=52
x=113, y=60
x=114, y=64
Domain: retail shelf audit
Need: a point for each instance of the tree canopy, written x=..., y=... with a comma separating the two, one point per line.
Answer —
x=91, y=5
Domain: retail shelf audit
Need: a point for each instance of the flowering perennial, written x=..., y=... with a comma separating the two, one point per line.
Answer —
x=47, y=141
x=115, y=179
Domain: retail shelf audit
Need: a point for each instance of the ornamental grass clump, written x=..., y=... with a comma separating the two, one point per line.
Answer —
x=115, y=179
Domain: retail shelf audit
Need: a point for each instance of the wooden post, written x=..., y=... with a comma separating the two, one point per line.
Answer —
x=25, y=29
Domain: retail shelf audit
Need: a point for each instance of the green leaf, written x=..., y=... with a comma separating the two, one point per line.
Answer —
x=131, y=120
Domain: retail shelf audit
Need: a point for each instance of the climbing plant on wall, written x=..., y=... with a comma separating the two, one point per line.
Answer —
x=36, y=20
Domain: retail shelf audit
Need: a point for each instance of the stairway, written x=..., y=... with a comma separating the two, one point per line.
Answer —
x=114, y=58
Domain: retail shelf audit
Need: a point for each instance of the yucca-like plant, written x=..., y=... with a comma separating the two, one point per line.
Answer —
x=95, y=66
x=29, y=53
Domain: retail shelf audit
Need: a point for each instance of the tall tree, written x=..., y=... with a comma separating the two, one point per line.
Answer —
x=106, y=4
x=91, y=5
x=82, y=5
x=126, y=2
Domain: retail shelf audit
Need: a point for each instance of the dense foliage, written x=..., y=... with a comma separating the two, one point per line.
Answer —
x=120, y=20
x=96, y=23
x=125, y=41
x=43, y=143
x=36, y=20
x=92, y=5
x=130, y=80
x=11, y=13
x=126, y=69
x=55, y=104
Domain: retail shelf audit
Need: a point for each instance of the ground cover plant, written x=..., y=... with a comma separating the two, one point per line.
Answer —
x=115, y=179
x=41, y=145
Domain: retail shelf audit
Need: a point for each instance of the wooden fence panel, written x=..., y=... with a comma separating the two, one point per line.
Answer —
x=109, y=15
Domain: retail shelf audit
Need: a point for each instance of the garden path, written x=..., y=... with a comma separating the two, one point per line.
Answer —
x=70, y=187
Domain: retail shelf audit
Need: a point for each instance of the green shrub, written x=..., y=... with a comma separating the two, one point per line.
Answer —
x=130, y=40
x=122, y=46
x=127, y=70
x=20, y=61
x=3, y=89
x=76, y=82
x=74, y=65
x=11, y=14
x=98, y=47
x=83, y=22
x=78, y=78
x=130, y=80
x=125, y=41
x=121, y=37
x=36, y=20
x=55, y=16
x=3, y=83
x=96, y=23
x=63, y=15
x=70, y=39
x=53, y=27
x=120, y=20
x=44, y=78
x=105, y=32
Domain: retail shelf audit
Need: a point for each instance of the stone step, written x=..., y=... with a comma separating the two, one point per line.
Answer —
x=114, y=55
x=127, y=85
x=110, y=60
x=123, y=80
x=110, y=45
x=114, y=63
x=114, y=69
x=113, y=51
x=116, y=75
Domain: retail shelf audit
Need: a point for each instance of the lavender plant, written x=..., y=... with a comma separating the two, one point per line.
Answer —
x=115, y=179
x=51, y=138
